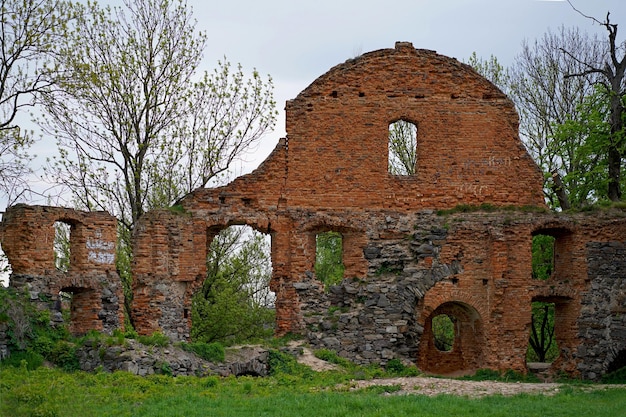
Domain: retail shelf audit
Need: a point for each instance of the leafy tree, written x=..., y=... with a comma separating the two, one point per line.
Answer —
x=136, y=128
x=588, y=179
x=492, y=70
x=61, y=246
x=444, y=332
x=28, y=31
x=329, y=258
x=545, y=98
x=137, y=125
x=610, y=70
x=542, y=256
x=235, y=303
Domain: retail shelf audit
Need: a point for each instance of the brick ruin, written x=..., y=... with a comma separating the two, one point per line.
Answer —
x=405, y=260
x=28, y=234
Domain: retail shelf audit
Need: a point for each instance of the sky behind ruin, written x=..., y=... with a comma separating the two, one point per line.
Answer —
x=297, y=41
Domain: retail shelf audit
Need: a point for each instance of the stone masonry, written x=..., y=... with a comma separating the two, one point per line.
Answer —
x=407, y=256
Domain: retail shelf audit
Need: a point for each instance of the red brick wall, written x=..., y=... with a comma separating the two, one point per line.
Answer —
x=468, y=146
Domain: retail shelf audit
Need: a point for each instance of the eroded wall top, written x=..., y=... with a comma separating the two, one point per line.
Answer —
x=28, y=234
x=468, y=148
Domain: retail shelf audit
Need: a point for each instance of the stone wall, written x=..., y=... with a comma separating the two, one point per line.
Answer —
x=602, y=321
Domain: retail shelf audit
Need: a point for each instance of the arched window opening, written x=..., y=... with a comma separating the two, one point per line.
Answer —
x=402, y=148
x=61, y=245
x=542, y=344
x=235, y=303
x=329, y=267
x=542, y=256
x=444, y=332
x=453, y=340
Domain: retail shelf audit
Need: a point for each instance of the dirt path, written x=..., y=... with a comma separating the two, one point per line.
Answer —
x=435, y=386
x=472, y=389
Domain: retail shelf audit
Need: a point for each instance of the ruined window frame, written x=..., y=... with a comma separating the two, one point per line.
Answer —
x=402, y=141
x=335, y=268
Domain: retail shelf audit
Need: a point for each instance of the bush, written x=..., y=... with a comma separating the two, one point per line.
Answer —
x=396, y=367
x=212, y=352
x=155, y=339
x=64, y=355
x=332, y=357
x=283, y=363
x=29, y=359
x=615, y=377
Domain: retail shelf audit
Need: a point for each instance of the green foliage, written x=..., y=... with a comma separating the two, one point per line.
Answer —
x=30, y=31
x=213, y=352
x=130, y=81
x=329, y=266
x=542, y=257
x=25, y=393
x=383, y=389
x=542, y=344
x=277, y=342
x=166, y=369
x=444, y=332
x=64, y=355
x=155, y=339
x=492, y=70
x=586, y=178
x=235, y=304
x=283, y=363
x=28, y=359
x=332, y=357
x=62, y=246
x=395, y=367
x=501, y=376
x=615, y=377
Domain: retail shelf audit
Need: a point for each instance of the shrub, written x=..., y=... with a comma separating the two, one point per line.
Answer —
x=332, y=357
x=396, y=367
x=29, y=359
x=64, y=355
x=283, y=363
x=155, y=339
x=615, y=377
x=213, y=352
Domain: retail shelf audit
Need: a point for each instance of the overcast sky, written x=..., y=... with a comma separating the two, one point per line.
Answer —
x=297, y=41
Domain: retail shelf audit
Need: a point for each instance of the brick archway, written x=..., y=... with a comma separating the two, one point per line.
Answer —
x=466, y=354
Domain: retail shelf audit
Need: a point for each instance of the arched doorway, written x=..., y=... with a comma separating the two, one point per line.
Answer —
x=453, y=340
x=234, y=302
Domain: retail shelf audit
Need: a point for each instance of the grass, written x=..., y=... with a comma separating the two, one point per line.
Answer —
x=52, y=392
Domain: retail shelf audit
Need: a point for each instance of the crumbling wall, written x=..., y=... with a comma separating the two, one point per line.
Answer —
x=405, y=263
x=27, y=239
x=468, y=148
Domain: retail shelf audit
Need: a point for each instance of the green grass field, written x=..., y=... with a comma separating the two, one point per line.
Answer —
x=51, y=392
